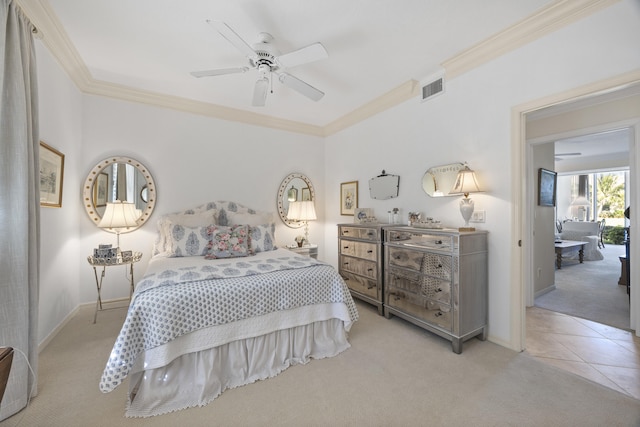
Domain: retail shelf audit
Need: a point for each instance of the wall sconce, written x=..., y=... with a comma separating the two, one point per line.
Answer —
x=302, y=211
x=119, y=216
x=466, y=183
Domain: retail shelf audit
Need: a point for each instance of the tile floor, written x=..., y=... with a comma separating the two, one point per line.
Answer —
x=598, y=352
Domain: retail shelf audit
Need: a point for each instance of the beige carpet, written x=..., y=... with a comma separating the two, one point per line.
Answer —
x=393, y=375
x=590, y=290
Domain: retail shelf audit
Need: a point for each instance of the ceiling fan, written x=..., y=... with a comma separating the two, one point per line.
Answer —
x=266, y=59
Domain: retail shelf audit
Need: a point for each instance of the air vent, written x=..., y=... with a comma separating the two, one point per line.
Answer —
x=433, y=88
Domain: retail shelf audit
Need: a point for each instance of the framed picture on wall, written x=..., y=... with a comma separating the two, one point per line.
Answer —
x=348, y=197
x=51, y=176
x=547, y=187
x=100, y=190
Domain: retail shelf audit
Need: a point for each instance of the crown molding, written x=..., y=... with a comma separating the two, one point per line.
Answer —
x=547, y=20
x=125, y=93
x=390, y=99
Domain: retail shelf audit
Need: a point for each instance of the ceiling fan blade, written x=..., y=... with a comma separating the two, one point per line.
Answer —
x=300, y=86
x=233, y=38
x=219, y=72
x=305, y=55
x=260, y=92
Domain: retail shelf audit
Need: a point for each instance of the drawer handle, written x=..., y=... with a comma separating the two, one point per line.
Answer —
x=370, y=233
x=439, y=313
x=439, y=266
x=438, y=290
x=345, y=231
x=345, y=263
x=369, y=269
x=370, y=251
x=438, y=242
x=345, y=247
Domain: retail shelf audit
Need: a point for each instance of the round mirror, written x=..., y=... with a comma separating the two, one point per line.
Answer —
x=119, y=178
x=295, y=187
x=439, y=180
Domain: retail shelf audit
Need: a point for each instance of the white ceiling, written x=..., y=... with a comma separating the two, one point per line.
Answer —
x=374, y=46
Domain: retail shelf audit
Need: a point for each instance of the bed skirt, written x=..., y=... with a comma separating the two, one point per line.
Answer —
x=196, y=379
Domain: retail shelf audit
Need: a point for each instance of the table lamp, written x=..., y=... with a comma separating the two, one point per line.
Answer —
x=302, y=211
x=466, y=183
x=119, y=216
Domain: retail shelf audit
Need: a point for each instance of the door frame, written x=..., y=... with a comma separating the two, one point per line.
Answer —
x=522, y=196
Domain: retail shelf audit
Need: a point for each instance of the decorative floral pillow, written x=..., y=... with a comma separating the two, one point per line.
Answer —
x=262, y=238
x=227, y=242
x=187, y=241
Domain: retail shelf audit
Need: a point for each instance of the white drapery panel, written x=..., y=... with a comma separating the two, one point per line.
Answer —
x=19, y=205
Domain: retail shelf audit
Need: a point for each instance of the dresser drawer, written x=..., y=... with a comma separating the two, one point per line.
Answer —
x=435, y=265
x=361, y=284
x=360, y=233
x=362, y=250
x=419, y=284
x=429, y=311
x=359, y=266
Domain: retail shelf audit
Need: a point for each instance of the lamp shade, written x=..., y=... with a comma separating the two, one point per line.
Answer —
x=119, y=215
x=466, y=182
x=302, y=211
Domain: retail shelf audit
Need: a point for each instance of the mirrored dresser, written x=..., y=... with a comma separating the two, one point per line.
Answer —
x=437, y=279
x=360, y=261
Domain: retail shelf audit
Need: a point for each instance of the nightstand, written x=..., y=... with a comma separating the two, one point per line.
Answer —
x=306, y=250
x=96, y=263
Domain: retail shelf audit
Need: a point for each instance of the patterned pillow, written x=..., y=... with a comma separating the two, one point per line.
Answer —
x=164, y=224
x=187, y=241
x=227, y=242
x=262, y=238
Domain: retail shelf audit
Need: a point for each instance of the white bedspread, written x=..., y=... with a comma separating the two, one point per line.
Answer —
x=205, y=303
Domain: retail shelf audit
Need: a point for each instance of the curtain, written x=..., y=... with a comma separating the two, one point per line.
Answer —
x=19, y=206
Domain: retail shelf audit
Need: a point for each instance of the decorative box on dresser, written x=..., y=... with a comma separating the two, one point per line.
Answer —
x=360, y=261
x=437, y=279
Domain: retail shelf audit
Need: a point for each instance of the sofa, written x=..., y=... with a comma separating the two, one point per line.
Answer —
x=584, y=231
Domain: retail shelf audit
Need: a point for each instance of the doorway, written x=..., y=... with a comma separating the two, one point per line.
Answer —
x=592, y=169
x=563, y=108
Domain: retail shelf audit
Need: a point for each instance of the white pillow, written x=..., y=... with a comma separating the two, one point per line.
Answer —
x=259, y=218
x=202, y=219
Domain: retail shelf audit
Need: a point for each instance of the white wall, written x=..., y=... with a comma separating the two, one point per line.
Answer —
x=60, y=105
x=471, y=122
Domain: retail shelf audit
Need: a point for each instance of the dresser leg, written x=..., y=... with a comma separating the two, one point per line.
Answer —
x=456, y=345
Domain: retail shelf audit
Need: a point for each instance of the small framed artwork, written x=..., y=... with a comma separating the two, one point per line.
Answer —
x=348, y=197
x=547, y=187
x=306, y=194
x=51, y=176
x=100, y=190
x=362, y=215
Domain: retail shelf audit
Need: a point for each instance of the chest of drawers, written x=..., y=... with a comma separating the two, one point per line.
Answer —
x=437, y=279
x=360, y=261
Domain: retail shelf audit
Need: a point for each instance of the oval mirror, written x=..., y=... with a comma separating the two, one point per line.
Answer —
x=439, y=180
x=295, y=187
x=119, y=178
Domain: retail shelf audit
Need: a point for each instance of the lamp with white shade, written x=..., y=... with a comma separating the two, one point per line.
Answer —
x=466, y=183
x=119, y=216
x=302, y=211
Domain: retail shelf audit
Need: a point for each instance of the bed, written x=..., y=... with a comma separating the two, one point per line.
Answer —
x=220, y=306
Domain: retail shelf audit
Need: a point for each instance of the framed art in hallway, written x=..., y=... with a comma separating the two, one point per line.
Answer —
x=547, y=187
x=348, y=197
x=51, y=176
